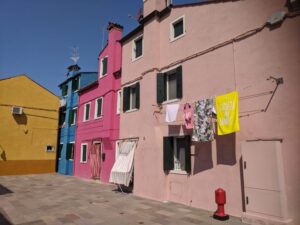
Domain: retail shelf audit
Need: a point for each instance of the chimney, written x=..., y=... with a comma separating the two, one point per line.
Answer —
x=155, y=5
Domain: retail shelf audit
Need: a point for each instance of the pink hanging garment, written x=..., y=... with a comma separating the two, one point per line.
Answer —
x=188, y=116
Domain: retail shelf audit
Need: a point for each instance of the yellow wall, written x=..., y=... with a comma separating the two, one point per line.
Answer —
x=23, y=138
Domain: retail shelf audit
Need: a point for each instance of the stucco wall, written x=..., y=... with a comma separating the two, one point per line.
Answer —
x=106, y=128
x=244, y=65
x=23, y=138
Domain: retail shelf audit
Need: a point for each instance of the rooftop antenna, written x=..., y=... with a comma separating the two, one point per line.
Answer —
x=75, y=55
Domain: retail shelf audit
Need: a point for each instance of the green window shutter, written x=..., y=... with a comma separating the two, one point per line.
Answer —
x=187, y=140
x=99, y=107
x=87, y=112
x=168, y=156
x=161, y=88
x=75, y=84
x=71, y=116
x=64, y=90
x=62, y=118
x=72, y=151
x=83, y=159
x=178, y=28
x=137, y=95
x=126, y=97
x=59, y=151
x=104, y=65
x=68, y=154
x=179, y=81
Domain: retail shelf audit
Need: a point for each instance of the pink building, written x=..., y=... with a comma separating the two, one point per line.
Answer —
x=184, y=53
x=98, y=114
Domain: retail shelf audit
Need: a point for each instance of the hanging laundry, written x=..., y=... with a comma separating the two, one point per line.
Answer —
x=188, y=116
x=227, y=113
x=171, y=112
x=203, y=127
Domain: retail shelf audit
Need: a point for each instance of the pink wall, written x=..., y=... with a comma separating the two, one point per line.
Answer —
x=105, y=128
x=244, y=65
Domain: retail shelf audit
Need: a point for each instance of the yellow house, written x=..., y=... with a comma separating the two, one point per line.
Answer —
x=28, y=127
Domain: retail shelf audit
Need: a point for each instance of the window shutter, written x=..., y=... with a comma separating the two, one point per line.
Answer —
x=168, y=156
x=126, y=97
x=71, y=116
x=104, y=64
x=137, y=95
x=179, y=82
x=161, y=90
x=187, y=140
x=69, y=148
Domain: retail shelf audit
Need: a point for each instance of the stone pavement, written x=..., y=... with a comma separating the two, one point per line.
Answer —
x=57, y=199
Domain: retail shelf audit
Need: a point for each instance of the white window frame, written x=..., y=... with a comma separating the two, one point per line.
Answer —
x=172, y=33
x=134, y=47
x=81, y=152
x=96, y=108
x=75, y=117
x=119, y=97
x=101, y=69
x=61, y=149
x=84, y=114
x=72, y=142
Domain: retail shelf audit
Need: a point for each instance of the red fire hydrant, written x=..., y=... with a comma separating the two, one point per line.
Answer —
x=220, y=196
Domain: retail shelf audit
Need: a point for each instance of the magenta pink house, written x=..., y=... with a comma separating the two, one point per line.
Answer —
x=98, y=114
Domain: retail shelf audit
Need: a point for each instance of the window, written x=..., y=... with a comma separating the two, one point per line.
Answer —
x=83, y=154
x=86, y=115
x=177, y=28
x=64, y=89
x=70, y=151
x=119, y=102
x=61, y=145
x=98, y=107
x=49, y=148
x=103, y=66
x=62, y=118
x=137, y=49
x=131, y=98
x=177, y=153
x=169, y=85
x=75, y=84
x=72, y=116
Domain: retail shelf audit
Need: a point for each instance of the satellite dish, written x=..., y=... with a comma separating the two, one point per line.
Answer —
x=75, y=55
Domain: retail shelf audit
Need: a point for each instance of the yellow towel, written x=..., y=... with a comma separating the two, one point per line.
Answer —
x=227, y=113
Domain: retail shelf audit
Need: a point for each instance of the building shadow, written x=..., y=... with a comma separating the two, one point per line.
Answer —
x=20, y=119
x=4, y=220
x=203, y=157
x=4, y=190
x=226, y=152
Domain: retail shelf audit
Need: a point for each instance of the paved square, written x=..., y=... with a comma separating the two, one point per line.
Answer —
x=57, y=199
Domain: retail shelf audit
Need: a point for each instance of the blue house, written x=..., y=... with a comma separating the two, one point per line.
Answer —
x=68, y=112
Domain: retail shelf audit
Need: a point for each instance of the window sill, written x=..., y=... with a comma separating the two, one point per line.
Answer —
x=96, y=118
x=131, y=110
x=135, y=59
x=178, y=37
x=85, y=121
x=75, y=91
x=102, y=76
x=171, y=101
x=83, y=162
x=179, y=172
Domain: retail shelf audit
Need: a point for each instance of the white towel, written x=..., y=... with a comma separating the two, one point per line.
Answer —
x=171, y=112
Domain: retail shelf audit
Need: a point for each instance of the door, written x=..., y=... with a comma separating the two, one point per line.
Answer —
x=96, y=160
x=263, y=178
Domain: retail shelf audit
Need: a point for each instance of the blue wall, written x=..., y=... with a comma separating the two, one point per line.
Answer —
x=67, y=132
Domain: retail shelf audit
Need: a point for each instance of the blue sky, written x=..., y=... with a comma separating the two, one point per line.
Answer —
x=36, y=36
